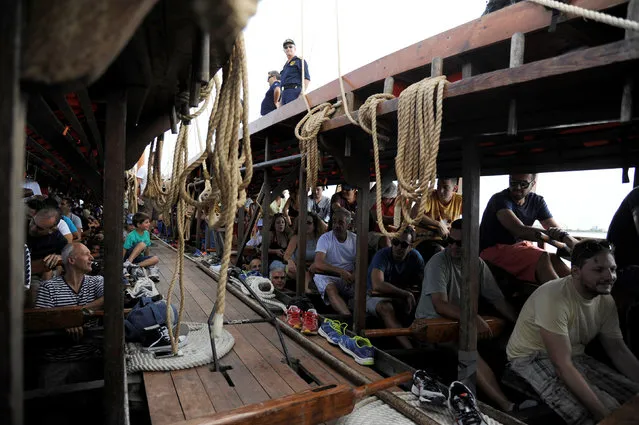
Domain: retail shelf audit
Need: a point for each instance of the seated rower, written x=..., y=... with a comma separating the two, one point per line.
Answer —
x=392, y=272
x=335, y=254
x=441, y=298
x=136, y=246
x=506, y=231
x=559, y=319
x=313, y=232
x=277, y=274
x=255, y=265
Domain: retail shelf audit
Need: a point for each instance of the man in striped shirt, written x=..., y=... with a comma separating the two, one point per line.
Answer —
x=74, y=287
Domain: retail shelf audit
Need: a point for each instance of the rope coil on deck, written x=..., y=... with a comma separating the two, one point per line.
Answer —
x=593, y=15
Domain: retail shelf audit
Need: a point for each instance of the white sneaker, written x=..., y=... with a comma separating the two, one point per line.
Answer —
x=154, y=273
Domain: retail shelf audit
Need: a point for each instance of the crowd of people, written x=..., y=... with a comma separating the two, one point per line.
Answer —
x=418, y=274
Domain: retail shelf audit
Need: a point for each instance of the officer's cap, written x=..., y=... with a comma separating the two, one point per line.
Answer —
x=288, y=41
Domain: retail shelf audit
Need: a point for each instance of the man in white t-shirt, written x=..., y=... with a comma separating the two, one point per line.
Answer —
x=559, y=319
x=142, y=179
x=335, y=255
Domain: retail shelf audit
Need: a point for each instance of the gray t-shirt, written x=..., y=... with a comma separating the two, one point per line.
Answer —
x=321, y=208
x=444, y=275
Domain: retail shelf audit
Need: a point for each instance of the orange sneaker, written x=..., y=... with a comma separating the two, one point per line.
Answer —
x=310, y=322
x=293, y=317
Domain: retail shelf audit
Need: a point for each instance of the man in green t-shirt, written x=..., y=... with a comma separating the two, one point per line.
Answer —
x=136, y=247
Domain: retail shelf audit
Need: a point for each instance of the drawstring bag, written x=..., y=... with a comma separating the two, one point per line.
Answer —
x=144, y=314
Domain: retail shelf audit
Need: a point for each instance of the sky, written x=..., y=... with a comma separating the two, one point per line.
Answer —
x=369, y=30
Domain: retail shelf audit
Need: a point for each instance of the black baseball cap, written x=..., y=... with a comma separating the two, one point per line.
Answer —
x=288, y=41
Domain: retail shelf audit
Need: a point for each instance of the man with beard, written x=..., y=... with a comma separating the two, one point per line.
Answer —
x=506, y=231
x=393, y=272
x=335, y=256
x=559, y=319
x=441, y=297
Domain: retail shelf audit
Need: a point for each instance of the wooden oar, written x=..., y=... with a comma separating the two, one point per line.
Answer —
x=433, y=330
x=547, y=239
x=306, y=408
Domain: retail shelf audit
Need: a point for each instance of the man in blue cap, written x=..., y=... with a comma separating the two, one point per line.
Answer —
x=272, y=97
x=291, y=75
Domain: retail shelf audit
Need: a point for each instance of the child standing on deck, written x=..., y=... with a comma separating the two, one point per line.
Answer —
x=136, y=247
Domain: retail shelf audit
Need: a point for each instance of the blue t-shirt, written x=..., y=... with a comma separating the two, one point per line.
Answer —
x=292, y=72
x=491, y=231
x=403, y=274
x=268, y=104
x=69, y=222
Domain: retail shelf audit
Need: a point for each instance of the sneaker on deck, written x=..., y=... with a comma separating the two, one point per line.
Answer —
x=156, y=339
x=358, y=348
x=426, y=389
x=309, y=327
x=293, y=317
x=463, y=405
x=154, y=273
x=333, y=330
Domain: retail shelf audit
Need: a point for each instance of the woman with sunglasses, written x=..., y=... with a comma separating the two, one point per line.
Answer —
x=506, y=233
x=313, y=232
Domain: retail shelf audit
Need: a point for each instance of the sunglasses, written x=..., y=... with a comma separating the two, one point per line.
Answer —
x=452, y=241
x=520, y=183
x=397, y=242
x=288, y=46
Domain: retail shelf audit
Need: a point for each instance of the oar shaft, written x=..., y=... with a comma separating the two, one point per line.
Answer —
x=373, y=387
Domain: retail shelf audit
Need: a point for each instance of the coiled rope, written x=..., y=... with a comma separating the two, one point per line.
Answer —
x=132, y=191
x=256, y=283
x=593, y=15
x=306, y=132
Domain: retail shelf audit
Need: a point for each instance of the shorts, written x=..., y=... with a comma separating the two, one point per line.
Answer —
x=371, y=304
x=137, y=259
x=610, y=387
x=520, y=259
x=322, y=281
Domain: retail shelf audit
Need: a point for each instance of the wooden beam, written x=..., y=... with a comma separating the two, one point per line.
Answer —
x=114, y=373
x=12, y=122
x=600, y=57
x=437, y=67
x=301, y=233
x=45, y=153
x=46, y=166
x=467, y=364
x=87, y=110
x=485, y=31
x=628, y=88
x=60, y=100
x=266, y=221
x=362, y=153
x=516, y=59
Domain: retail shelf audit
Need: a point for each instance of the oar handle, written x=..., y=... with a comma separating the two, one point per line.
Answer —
x=373, y=387
x=545, y=238
x=382, y=333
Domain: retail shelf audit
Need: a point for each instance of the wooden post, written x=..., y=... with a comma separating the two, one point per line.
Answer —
x=199, y=66
x=361, y=262
x=12, y=124
x=240, y=227
x=467, y=70
x=437, y=67
x=114, y=150
x=517, y=42
x=198, y=230
x=301, y=234
x=467, y=365
x=389, y=83
x=626, y=97
x=266, y=221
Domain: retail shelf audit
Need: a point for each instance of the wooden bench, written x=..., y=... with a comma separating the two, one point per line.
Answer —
x=48, y=319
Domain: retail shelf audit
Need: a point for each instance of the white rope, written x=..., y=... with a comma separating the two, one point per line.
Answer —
x=593, y=15
x=372, y=411
x=197, y=351
x=266, y=295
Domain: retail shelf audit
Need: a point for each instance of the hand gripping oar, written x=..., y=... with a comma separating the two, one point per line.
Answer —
x=434, y=330
x=306, y=408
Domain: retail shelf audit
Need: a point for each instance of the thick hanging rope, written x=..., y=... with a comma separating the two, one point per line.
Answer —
x=306, y=132
x=228, y=157
x=419, y=120
x=132, y=191
x=592, y=15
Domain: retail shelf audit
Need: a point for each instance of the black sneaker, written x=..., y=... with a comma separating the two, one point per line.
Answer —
x=463, y=405
x=426, y=389
x=156, y=339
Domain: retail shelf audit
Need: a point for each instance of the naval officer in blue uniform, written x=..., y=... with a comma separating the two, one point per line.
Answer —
x=272, y=97
x=292, y=74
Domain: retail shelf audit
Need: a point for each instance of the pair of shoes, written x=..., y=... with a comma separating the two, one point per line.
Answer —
x=463, y=405
x=156, y=339
x=305, y=321
x=154, y=273
x=358, y=348
x=333, y=330
x=427, y=389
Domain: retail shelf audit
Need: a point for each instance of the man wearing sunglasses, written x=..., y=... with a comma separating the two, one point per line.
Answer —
x=547, y=346
x=292, y=73
x=271, y=99
x=441, y=297
x=507, y=230
x=392, y=272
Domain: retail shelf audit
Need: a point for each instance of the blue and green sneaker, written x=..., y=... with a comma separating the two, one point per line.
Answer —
x=333, y=330
x=359, y=348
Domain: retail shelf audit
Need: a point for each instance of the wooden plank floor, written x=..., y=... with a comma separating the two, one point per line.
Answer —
x=258, y=370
